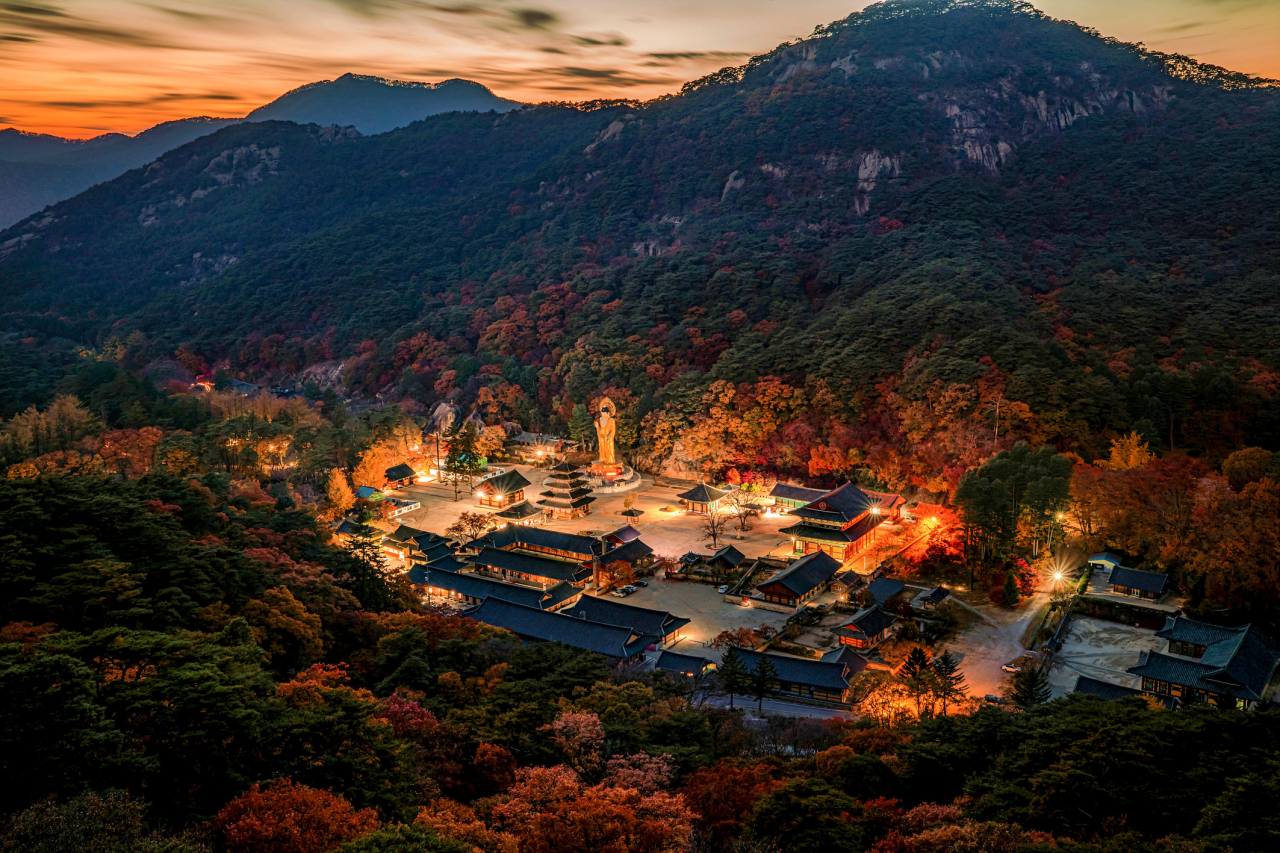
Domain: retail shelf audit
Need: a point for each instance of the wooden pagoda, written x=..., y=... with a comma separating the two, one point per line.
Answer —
x=567, y=495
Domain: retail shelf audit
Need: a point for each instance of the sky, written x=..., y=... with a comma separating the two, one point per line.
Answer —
x=79, y=68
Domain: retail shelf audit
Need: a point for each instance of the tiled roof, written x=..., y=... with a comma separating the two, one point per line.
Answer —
x=683, y=664
x=625, y=534
x=788, y=492
x=632, y=552
x=1239, y=667
x=1112, y=692
x=1109, y=559
x=703, y=494
x=400, y=472
x=642, y=620
x=528, y=564
x=354, y=528
x=728, y=554
x=844, y=504
x=404, y=534
x=846, y=655
x=514, y=534
x=471, y=584
x=534, y=624
x=503, y=484
x=806, y=574
x=1183, y=630
x=1139, y=580
x=937, y=595
x=520, y=511
x=369, y=493
x=866, y=623
x=828, y=675
x=881, y=590
x=821, y=533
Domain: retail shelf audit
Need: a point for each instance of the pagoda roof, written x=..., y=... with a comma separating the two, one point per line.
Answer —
x=563, y=467
x=566, y=502
x=566, y=494
x=703, y=494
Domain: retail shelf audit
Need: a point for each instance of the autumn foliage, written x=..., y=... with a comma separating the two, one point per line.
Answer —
x=285, y=817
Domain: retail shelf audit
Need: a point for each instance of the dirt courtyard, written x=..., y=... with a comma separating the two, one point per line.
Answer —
x=1101, y=650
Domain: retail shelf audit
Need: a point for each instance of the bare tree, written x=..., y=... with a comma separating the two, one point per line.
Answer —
x=713, y=525
x=472, y=525
x=742, y=508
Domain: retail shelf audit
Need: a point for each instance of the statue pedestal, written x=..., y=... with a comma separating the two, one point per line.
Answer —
x=606, y=470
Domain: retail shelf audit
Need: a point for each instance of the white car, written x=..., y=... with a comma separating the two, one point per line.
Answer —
x=722, y=590
x=1011, y=668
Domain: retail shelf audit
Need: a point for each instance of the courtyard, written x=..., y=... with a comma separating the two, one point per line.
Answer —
x=1101, y=650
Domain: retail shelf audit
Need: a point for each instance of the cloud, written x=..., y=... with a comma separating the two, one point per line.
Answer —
x=602, y=40
x=535, y=19
x=17, y=38
x=612, y=76
x=47, y=20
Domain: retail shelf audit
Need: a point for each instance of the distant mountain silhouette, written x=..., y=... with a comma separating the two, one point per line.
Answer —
x=37, y=169
x=377, y=105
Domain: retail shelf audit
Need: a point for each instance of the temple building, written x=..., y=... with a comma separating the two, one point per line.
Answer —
x=617, y=642
x=826, y=680
x=567, y=495
x=501, y=491
x=521, y=513
x=842, y=523
x=1227, y=667
x=703, y=498
x=801, y=581
x=867, y=629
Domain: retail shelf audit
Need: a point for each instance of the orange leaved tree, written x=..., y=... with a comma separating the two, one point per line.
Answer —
x=289, y=818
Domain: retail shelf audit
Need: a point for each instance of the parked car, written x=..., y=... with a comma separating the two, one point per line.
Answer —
x=619, y=593
x=722, y=589
x=1011, y=668
x=994, y=700
x=642, y=583
x=630, y=589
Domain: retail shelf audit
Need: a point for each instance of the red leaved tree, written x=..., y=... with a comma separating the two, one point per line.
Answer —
x=290, y=818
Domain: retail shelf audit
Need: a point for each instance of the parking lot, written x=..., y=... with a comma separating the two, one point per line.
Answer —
x=1101, y=650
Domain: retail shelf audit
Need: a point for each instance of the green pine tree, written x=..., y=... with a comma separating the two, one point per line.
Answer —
x=733, y=674
x=918, y=675
x=581, y=427
x=1030, y=687
x=949, y=680
x=1010, y=594
x=462, y=461
x=763, y=680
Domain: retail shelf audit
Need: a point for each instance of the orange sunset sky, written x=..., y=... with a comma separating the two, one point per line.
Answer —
x=83, y=67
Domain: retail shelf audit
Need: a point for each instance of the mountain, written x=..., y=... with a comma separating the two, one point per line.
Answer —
x=924, y=196
x=37, y=170
x=376, y=105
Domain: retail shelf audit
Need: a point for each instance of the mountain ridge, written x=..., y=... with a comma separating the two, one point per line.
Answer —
x=961, y=185
x=374, y=105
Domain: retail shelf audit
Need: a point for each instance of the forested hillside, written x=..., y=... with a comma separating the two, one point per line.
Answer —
x=927, y=223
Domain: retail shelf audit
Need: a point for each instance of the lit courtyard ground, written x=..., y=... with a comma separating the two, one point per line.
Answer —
x=1101, y=650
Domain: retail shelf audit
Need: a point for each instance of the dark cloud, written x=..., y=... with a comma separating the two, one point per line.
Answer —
x=164, y=97
x=696, y=55
x=1182, y=28
x=551, y=50
x=33, y=9
x=605, y=40
x=47, y=20
x=612, y=76
x=535, y=19
x=15, y=37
